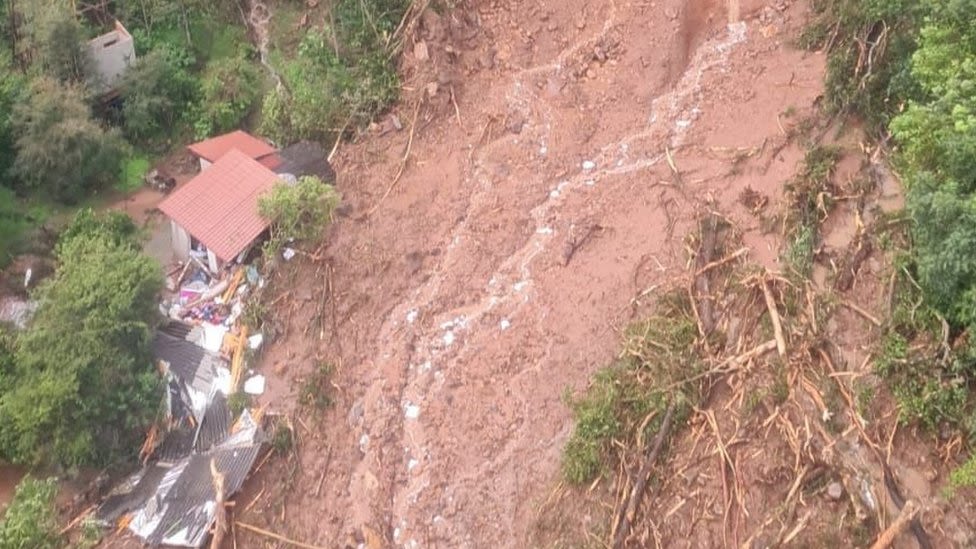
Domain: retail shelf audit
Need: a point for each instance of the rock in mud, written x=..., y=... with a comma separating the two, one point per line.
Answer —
x=835, y=491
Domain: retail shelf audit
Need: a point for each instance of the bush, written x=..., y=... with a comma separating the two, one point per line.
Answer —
x=31, y=520
x=299, y=211
x=83, y=388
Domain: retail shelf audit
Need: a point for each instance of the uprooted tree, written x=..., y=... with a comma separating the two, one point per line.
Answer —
x=81, y=387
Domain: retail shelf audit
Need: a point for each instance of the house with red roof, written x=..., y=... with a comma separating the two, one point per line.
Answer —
x=216, y=212
x=210, y=150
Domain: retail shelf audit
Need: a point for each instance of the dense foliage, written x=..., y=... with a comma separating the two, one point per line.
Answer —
x=340, y=76
x=82, y=386
x=230, y=90
x=156, y=91
x=909, y=69
x=61, y=151
x=31, y=520
x=59, y=41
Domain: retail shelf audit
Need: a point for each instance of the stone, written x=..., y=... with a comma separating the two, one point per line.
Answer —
x=835, y=491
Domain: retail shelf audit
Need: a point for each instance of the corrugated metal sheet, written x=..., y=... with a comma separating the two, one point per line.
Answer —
x=132, y=494
x=219, y=207
x=215, y=148
x=178, y=330
x=215, y=425
x=188, y=508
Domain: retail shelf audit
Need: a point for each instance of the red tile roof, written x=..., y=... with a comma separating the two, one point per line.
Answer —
x=214, y=148
x=219, y=207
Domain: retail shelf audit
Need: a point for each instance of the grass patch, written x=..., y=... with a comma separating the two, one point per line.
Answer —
x=133, y=171
x=629, y=398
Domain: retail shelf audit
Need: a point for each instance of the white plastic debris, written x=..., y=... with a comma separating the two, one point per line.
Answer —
x=544, y=230
x=363, y=443
x=589, y=182
x=213, y=336
x=254, y=342
x=287, y=254
x=554, y=193
x=255, y=385
x=504, y=324
x=411, y=316
x=589, y=165
x=411, y=411
x=448, y=337
x=411, y=464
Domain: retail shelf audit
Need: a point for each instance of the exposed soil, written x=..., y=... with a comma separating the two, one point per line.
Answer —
x=529, y=224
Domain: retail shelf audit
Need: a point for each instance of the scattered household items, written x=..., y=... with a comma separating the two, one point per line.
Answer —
x=160, y=180
x=112, y=54
x=216, y=212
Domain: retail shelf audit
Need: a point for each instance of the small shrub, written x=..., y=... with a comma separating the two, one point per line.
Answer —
x=963, y=476
x=283, y=440
x=238, y=402
x=31, y=520
x=300, y=211
x=316, y=389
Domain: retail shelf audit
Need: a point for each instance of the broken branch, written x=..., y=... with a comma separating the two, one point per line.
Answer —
x=908, y=513
x=774, y=317
x=278, y=537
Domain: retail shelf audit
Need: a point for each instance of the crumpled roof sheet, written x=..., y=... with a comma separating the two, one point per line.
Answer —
x=219, y=207
x=175, y=503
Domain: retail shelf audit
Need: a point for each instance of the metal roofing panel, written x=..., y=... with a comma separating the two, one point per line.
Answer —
x=219, y=207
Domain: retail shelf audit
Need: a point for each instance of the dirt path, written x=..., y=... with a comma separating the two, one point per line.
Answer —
x=527, y=228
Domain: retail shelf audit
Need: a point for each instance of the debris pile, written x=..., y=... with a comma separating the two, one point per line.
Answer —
x=200, y=454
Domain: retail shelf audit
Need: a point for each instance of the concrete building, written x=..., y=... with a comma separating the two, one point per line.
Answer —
x=112, y=54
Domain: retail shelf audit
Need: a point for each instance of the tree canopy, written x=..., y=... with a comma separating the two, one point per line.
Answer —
x=61, y=150
x=82, y=386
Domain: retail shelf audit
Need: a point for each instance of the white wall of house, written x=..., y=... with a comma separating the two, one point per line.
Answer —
x=112, y=53
x=181, y=241
x=204, y=163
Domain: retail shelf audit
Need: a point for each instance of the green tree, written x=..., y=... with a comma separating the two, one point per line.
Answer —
x=61, y=44
x=230, y=90
x=61, y=150
x=13, y=91
x=156, y=92
x=31, y=521
x=936, y=134
x=83, y=387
